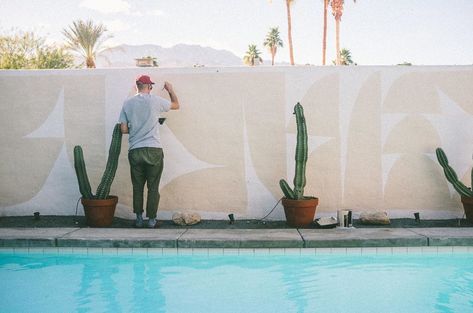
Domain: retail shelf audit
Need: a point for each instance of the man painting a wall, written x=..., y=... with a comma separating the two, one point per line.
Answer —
x=139, y=118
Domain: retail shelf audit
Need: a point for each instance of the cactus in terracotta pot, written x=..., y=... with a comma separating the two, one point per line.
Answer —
x=109, y=173
x=301, y=159
x=299, y=210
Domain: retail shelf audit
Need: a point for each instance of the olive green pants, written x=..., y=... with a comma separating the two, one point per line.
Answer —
x=146, y=166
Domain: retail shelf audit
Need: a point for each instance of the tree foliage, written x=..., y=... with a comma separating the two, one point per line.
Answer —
x=25, y=50
x=272, y=42
x=337, y=12
x=289, y=29
x=252, y=56
x=86, y=38
x=345, y=58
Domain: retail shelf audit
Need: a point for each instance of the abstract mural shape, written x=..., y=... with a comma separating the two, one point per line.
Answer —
x=362, y=163
x=181, y=160
x=28, y=156
x=387, y=163
x=455, y=128
x=322, y=111
x=456, y=84
x=258, y=196
x=412, y=93
x=57, y=196
x=352, y=82
x=53, y=127
x=405, y=152
x=373, y=133
x=389, y=121
x=60, y=185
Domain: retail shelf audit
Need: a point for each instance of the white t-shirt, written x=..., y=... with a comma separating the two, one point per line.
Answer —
x=141, y=113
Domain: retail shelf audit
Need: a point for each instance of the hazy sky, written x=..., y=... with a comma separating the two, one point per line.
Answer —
x=377, y=32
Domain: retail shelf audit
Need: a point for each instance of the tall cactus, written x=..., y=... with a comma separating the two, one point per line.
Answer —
x=109, y=173
x=112, y=164
x=452, y=176
x=301, y=158
x=81, y=173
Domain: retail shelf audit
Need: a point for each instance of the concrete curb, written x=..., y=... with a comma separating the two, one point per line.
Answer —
x=234, y=238
x=376, y=237
x=241, y=238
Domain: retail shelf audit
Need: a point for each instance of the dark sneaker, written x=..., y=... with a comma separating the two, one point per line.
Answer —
x=152, y=223
x=139, y=221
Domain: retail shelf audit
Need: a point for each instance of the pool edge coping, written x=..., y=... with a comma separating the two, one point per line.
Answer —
x=234, y=238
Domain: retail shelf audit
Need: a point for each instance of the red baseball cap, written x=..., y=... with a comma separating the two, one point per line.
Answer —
x=144, y=79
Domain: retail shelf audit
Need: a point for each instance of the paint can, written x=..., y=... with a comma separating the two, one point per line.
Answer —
x=345, y=218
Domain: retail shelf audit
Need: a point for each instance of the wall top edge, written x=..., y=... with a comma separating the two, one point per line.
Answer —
x=232, y=69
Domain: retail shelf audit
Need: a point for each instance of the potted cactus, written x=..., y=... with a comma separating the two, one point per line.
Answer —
x=99, y=209
x=466, y=193
x=299, y=209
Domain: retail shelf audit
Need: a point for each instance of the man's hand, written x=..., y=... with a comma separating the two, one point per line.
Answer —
x=168, y=87
x=124, y=128
x=172, y=95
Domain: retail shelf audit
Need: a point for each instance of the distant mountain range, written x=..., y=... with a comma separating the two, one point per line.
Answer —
x=181, y=55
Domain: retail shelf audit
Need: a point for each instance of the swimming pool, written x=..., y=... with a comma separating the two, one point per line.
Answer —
x=238, y=282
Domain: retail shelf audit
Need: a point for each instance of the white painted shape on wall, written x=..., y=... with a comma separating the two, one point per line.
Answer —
x=388, y=161
x=389, y=121
x=260, y=199
x=455, y=127
x=350, y=86
x=297, y=87
x=433, y=157
x=53, y=126
x=179, y=161
x=389, y=76
x=55, y=196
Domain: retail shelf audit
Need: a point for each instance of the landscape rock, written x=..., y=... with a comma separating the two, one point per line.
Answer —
x=186, y=218
x=374, y=218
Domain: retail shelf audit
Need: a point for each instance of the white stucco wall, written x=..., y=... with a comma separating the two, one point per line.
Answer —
x=373, y=133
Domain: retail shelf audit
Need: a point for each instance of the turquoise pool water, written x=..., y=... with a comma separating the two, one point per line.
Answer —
x=236, y=283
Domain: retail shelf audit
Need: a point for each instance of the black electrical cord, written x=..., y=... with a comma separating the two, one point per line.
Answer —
x=76, y=222
x=270, y=211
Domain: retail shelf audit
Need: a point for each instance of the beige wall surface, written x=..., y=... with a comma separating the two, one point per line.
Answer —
x=372, y=138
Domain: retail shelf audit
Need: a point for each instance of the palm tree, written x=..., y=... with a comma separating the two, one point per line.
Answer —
x=345, y=57
x=289, y=30
x=86, y=38
x=337, y=11
x=273, y=41
x=252, y=56
x=324, y=39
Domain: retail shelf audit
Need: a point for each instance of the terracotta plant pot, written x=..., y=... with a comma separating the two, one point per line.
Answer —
x=300, y=213
x=99, y=212
x=468, y=207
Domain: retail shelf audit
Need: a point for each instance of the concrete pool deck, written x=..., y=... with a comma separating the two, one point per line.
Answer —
x=277, y=238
